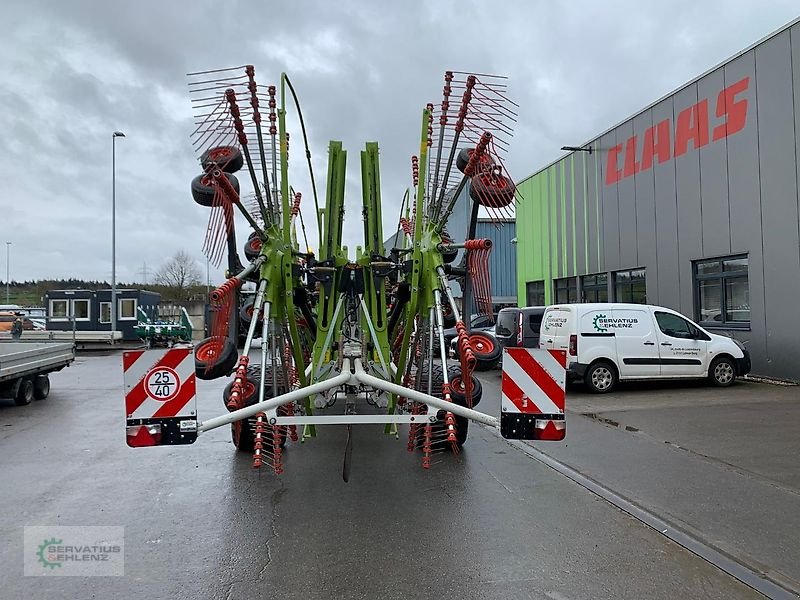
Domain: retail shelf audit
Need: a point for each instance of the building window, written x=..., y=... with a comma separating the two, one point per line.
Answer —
x=566, y=290
x=105, y=312
x=80, y=310
x=127, y=308
x=534, y=293
x=630, y=286
x=722, y=292
x=594, y=288
x=58, y=309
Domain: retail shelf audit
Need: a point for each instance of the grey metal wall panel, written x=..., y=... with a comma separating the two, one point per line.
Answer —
x=778, y=165
x=714, y=174
x=646, y=249
x=610, y=208
x=626, y=195
x=687, y=185
x=592, y=210
x=581, y=233
x=795, y=41
x=666, y=219
x=503, y=257
x=744, y=195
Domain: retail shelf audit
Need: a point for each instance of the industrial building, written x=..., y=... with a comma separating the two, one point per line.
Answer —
x=692, y=204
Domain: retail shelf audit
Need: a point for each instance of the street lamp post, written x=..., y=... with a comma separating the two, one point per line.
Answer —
x=114, y=137
x=8, y=269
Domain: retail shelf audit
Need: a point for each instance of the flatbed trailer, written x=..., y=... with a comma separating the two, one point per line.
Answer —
x=24, y=368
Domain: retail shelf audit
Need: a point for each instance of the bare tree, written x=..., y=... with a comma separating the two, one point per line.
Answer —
x=180, y=273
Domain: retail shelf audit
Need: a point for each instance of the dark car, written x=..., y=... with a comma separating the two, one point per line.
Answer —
x=519, y=327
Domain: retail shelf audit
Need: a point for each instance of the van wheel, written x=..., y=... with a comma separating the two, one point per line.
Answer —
x=41, y=387
x=722, y=373
x=601, y=378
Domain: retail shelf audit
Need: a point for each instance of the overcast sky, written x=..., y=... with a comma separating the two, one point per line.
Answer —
x=72, y=72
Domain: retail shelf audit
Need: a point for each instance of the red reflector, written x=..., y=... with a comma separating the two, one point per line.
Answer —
x=143, y=435
x=550, y=431
x=573, y=345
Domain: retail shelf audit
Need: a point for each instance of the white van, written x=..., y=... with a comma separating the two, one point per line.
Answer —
x=606, y=343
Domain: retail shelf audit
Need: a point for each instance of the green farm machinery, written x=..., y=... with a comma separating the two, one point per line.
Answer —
x=333, y=339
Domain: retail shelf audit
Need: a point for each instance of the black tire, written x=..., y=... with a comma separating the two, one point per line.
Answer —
x=222, y=351
x=722, y=372
x=458, y=393
x=226, y=158
x=41, y=387
x=203, y=188
x=437, y=380
x=601, y=377
x=243, y=432
x=252, y=247
x=462, y=159
x=492, y=191
x=24, y=392
x=246, y=311
x=486, y=350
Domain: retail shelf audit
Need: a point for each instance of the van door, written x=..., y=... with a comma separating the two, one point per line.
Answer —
x=682, y=354
x=531, y=327
x=556, y=328
x=637, y=343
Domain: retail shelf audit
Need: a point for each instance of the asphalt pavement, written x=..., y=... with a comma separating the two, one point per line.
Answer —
x=199, y=522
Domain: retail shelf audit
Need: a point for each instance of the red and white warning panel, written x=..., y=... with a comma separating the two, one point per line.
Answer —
x=533, y=395
x=160, y=397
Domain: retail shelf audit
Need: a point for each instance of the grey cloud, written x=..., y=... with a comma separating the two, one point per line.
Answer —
x=73, y=72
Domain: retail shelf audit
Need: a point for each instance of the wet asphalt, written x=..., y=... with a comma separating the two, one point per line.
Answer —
x=199, y=522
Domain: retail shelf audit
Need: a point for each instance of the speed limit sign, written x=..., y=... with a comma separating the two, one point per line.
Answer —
x=162, y=384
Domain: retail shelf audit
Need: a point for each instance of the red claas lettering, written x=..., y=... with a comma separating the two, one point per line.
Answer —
x=692, y=130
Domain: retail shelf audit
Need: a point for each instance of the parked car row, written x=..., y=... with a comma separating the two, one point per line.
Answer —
x=611, y=342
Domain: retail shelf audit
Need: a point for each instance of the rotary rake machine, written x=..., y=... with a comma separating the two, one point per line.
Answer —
x=342, y=342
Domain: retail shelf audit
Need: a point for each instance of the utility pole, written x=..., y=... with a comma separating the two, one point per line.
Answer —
x=8, y=270
x=114, y=137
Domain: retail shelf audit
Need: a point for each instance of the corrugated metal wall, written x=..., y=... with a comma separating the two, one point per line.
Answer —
x=502, y=259
x=730, y=189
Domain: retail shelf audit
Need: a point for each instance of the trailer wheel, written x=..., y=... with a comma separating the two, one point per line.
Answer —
x=493, y=191
x=462, y=159
x=41, y=387
x=227, y=158
x=24, y=392
x=486, y=349
x=221, y=351
x=203, y=188
x=458, y=392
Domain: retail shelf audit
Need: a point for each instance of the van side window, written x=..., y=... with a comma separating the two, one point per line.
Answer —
x=535, y=322
x=675, y=326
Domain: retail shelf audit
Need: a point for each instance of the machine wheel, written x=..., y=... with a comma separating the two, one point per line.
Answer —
x=41, y=387
x=221, y=351
x=203, y=188
x=448, y=318
x=493, y=191
x=462, y=159
x=252, y=247
x=486, y=349
x=601, y=377
x=24, y=392
x=243, y=432
x=454, y=375
x=722, y=371
x=226, y=158
x=458, y=392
